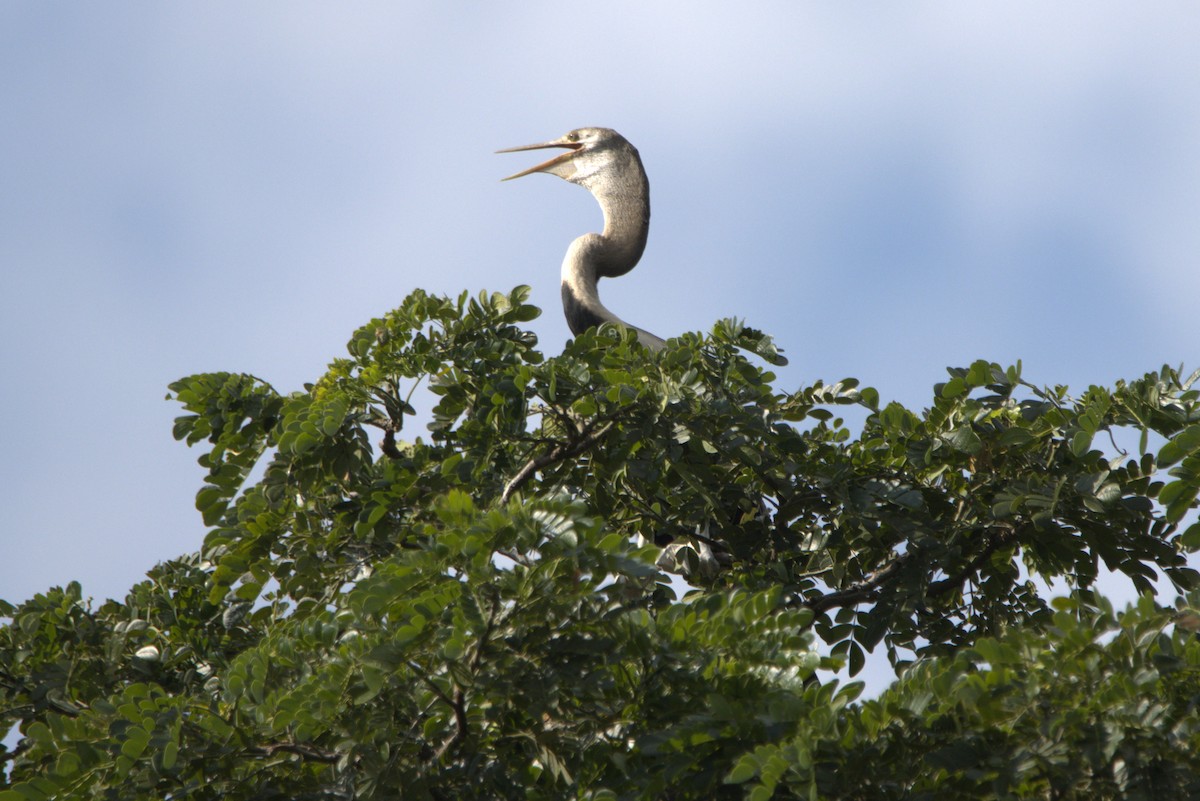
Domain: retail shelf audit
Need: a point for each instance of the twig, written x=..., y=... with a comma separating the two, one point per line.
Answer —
x=460, y=725
x=516, y=557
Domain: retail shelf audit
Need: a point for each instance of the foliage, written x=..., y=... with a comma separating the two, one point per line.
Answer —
x=488, y=612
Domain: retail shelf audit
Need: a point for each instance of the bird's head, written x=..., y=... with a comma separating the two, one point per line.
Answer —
x=589, y=151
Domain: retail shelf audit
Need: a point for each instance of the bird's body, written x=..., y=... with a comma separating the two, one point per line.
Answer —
x=603, y=162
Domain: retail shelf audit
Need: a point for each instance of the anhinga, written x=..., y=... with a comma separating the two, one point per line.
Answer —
x=603, y=162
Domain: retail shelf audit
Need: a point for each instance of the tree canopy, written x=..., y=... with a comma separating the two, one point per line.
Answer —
x=495, y=609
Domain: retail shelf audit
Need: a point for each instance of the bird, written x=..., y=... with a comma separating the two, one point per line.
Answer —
x=607, y=165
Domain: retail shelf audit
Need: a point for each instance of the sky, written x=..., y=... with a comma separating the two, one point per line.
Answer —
x=887, y=188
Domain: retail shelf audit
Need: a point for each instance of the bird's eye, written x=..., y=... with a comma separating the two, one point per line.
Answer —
x=573, y=136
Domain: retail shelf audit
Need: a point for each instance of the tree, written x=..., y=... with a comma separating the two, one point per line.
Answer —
x=487, y=612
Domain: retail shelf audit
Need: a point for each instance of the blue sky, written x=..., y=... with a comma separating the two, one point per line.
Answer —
x=887, y=188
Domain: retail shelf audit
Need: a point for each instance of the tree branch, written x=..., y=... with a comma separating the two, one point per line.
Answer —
x=299, y=749
x=868, y=588
x=948, y=584
x=388, y=446
x=865, y=590
x=390, y=425
x=556, y=454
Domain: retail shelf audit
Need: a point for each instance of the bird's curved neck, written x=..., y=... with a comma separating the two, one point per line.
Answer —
x=625, y=200
x=624, y=197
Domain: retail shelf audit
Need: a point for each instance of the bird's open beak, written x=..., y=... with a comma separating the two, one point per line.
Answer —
x=560, y=165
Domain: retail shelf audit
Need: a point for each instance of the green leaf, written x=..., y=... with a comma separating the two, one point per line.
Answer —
x=1178, y=497
x=67, y=766
x=1182, y=445
x=40, y=733
x=954, y=388
x=761, y=793
x=136, y=740
x=745, y=769
x=1080, y=443
x=964, y=439
x=1190, y=538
